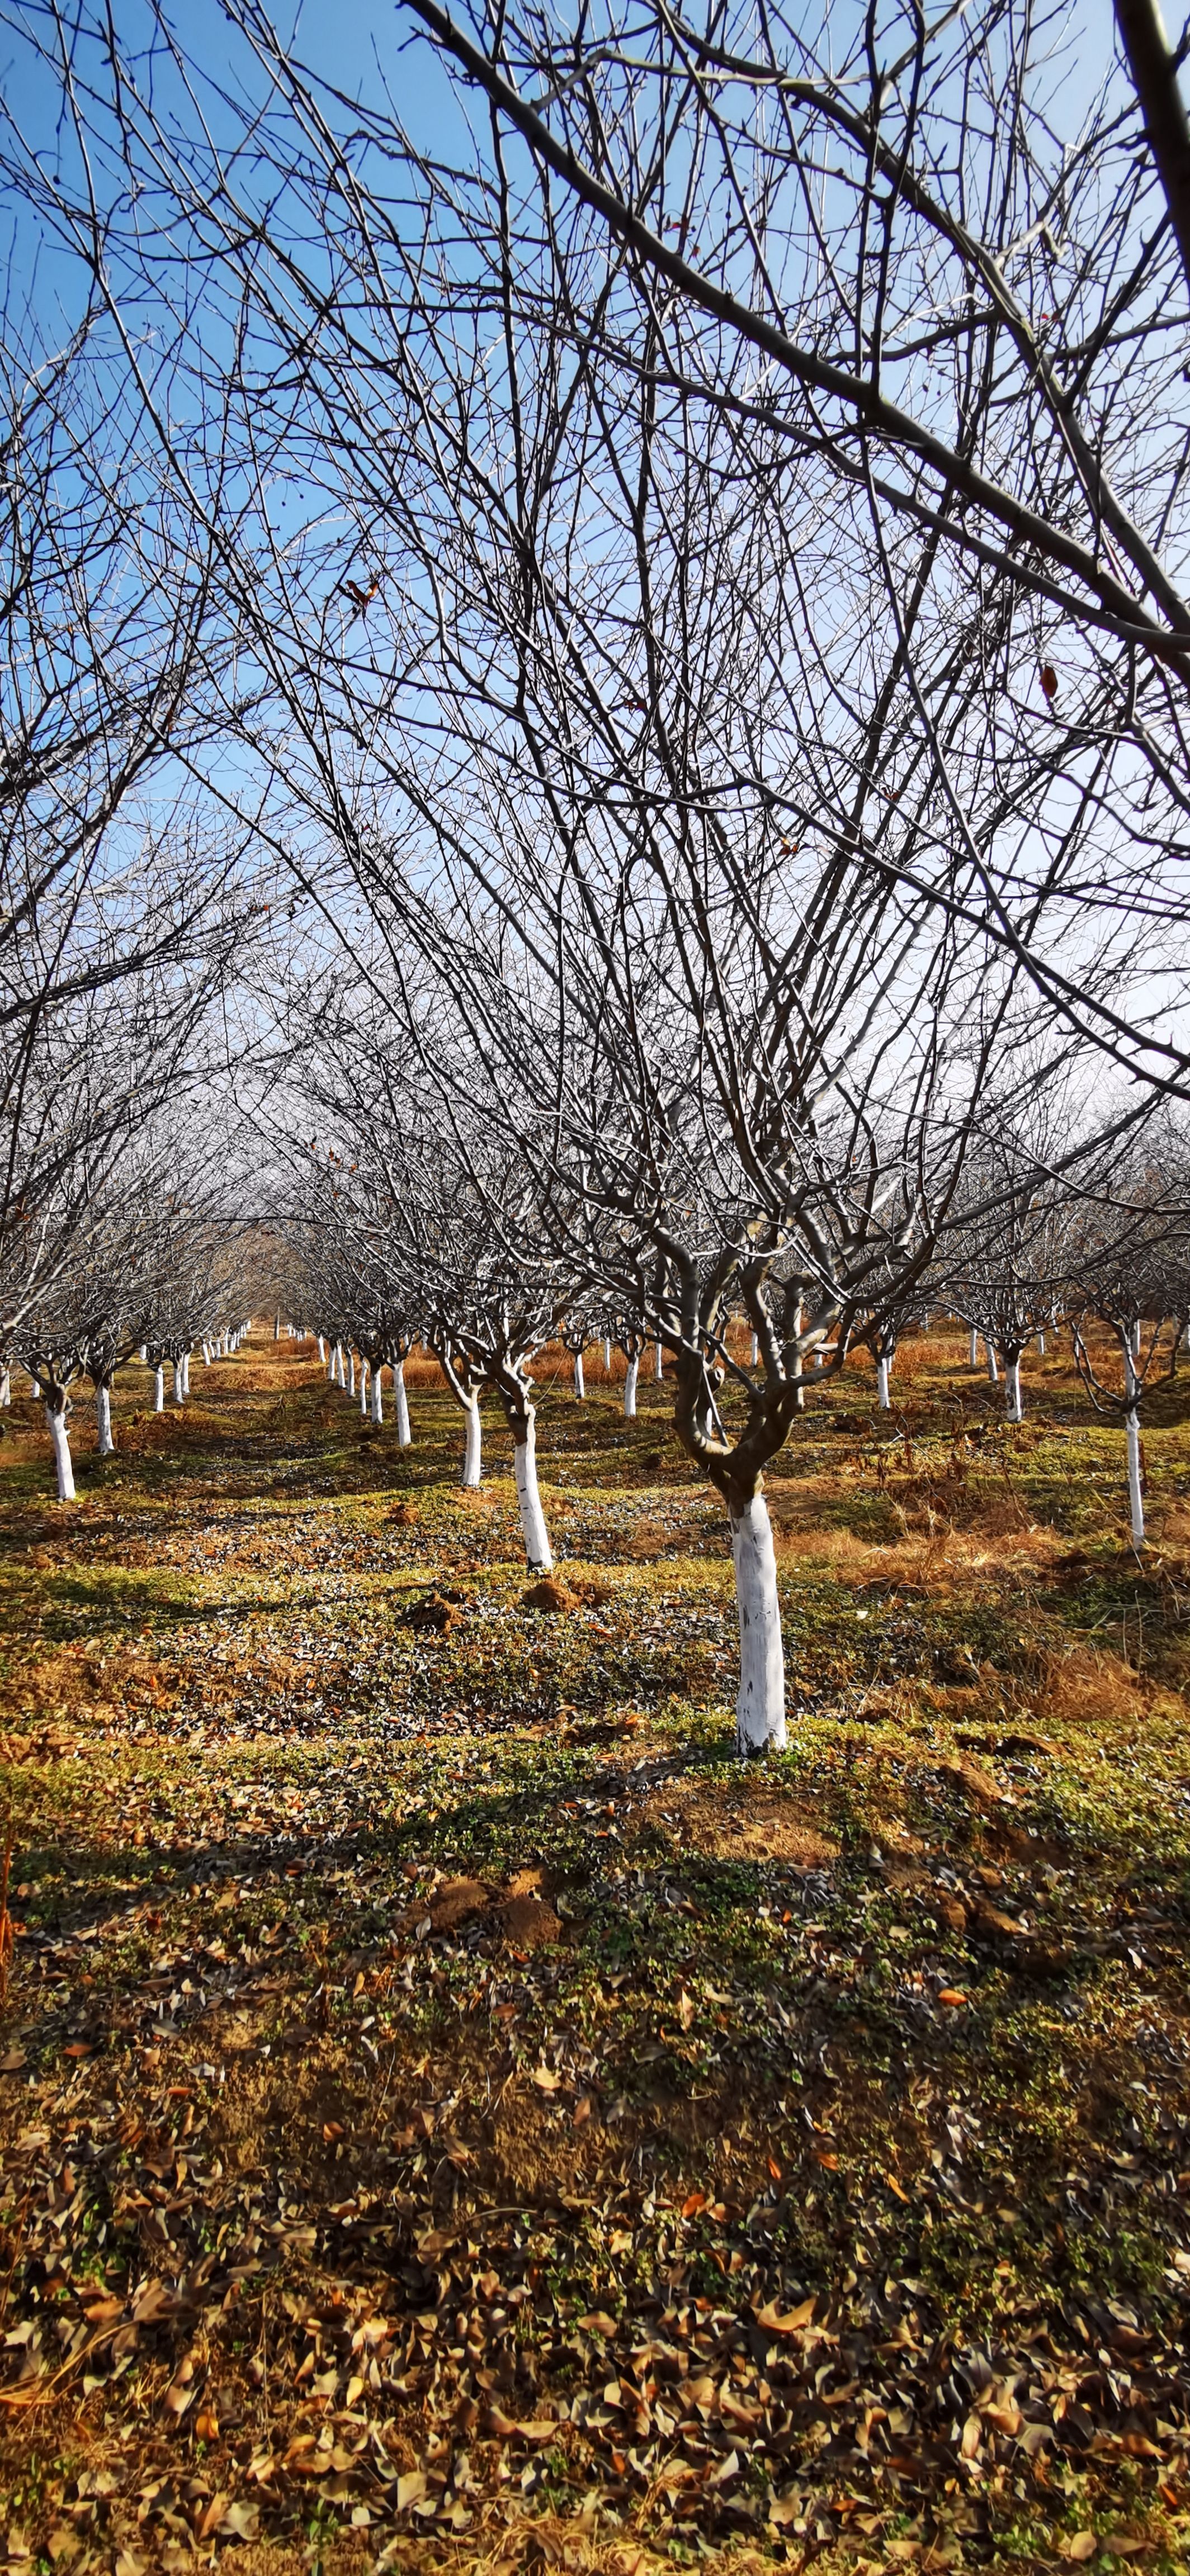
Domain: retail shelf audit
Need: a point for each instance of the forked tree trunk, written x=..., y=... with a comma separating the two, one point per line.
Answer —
x=159, y=1387
x=103, y=1418
x=630, y=1377
x=404, y=1434
x=580, y=1383
x=760, y=1707
x=533, y=1528
x=882, y=1395
x=377, y=1394
x=60, y=1439
x=473, y=1449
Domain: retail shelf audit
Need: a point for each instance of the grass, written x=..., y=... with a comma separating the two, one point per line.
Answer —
x=451, y=2112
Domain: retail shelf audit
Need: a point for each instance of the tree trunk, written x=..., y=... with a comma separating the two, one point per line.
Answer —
x=760, y=1708
x=277, y=1328
x=179, y=1389
x=351, y=1372
x=159, y=1387
x=5, y=1389
x=1041, y=1344
x=658, y=1360
x=630, y=1376
x=364, y=1374
x=474, y=1446
x=882, y=1394
x=322, y=1350
x=754, y=1351
x=377, y=1394
x=607, y=1356
x=993, y=1371
x=536, y=1535
x=60, y=1438
x=580, y=1383
x=404, y=1434
x=185, y=1372
x=103, y=1417
x=973, y=1349
x=1012, y=1389
x=1136, y=1500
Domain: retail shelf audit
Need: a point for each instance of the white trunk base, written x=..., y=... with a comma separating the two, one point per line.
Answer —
x=580, y=1383
x=179, y=1383
x=159, y=1389
x=63, y=1469
x=351, y=1372
x=760, y=1708
x=973, y=1351
x=882, y=1395
x=404, y=1434
x=536, y=1535
x=1012, y=1383
x=5, y=1388
x=364, y=1374
x=377, y=1396
x=1136, y=1500
x=993, y=1371
x=472, y=1453
x=630, y=1377
x=658, y=1361
x=103, y=1417
x=607, y=1359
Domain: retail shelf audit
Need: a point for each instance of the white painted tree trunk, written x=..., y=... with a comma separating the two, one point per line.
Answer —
x=159, y=1387
x=760, y=1708
x=1041, y=1344
x=351, y=1373
x=1136, y=1500
x=5, y=1389
x=322, y=1350
x=1012, y=1387
x=973, y=1349
x=143, y=1354
x=993, y=1371
x=179, y=1389
x=277, y=1328
x=630, y=1377
x=400, y=1400
x=364, y=1375
x=185, y=1372
x=63, y=1468
x=103, y=1417
x=754, y=1351
x=536, y=1535
x=658, y=1360
x=607, y=1356
x=580, y=1383
x=377, y=1393
x=882, y=1394
x=473, y=1451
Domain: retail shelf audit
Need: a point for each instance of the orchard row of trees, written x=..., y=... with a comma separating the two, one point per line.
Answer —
x=628, y=665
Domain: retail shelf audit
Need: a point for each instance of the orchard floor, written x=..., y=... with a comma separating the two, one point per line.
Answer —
x=453, y=2115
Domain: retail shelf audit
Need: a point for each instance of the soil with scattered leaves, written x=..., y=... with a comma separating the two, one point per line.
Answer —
x=451, y=2112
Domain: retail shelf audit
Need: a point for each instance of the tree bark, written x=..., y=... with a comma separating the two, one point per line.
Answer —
x=60, y=1437
x=103, y=1417
x=1012, y=1388
x=580, y=1383
x=630, y=1377
x=377, y=1394
x=993, y=1371
x=473, y=1451
x=536, y=1535
x=159, y=1387
x=179, y=1388
x=760, y=1707
x=882, y=1395
x=404, y=1434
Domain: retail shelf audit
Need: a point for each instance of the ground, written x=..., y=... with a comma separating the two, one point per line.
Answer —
x=453, y=2114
